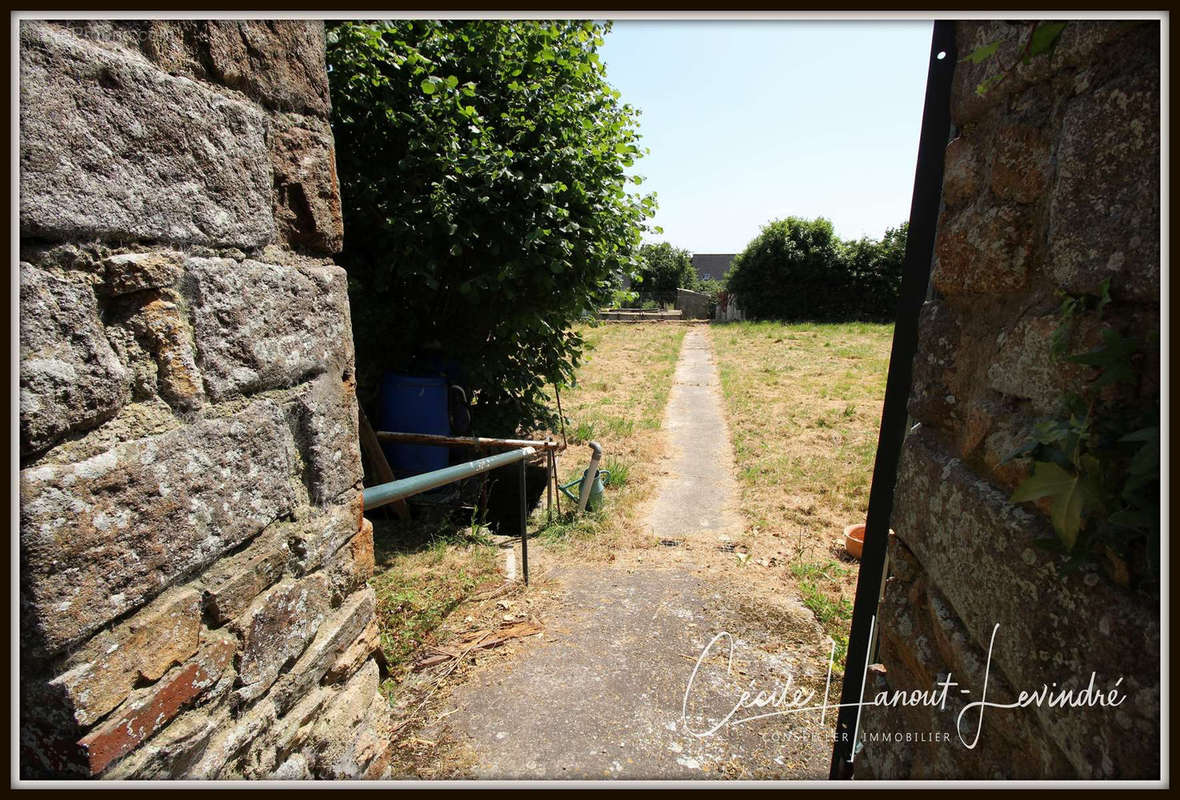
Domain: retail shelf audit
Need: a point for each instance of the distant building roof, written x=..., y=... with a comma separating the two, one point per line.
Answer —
x=712, y=266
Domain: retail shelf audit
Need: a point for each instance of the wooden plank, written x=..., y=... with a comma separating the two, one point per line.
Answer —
x=376, y=457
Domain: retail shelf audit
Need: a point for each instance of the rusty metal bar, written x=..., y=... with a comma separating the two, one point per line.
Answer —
x=466, y=441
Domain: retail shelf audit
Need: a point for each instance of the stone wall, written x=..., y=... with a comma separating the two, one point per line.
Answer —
x=693, y=305
x=193, y=558
x=1051, y=183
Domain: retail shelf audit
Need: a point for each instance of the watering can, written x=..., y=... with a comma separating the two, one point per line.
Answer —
x=601, y=478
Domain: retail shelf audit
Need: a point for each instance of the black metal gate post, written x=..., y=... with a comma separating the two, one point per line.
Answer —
x=915, y=280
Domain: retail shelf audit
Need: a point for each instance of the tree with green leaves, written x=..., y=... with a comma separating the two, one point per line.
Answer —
x=790, y=271
x=664, y=269
x=486, y=208
x=798, y=269
x=873, y=273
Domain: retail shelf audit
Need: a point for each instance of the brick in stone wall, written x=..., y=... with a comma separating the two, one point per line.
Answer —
x=151, y=708
x=112, y=148
x=103, y=672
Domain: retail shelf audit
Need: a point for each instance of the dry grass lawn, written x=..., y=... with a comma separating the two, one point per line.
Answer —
x=803, y=403
x=618, y=401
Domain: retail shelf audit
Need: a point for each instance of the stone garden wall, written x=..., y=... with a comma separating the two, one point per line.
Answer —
x=1051, y=184
x=193, y=559
x=693, y=305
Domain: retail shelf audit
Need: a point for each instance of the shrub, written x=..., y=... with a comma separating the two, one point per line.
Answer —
x=790, y=271
x=482, y=173
x=798, y=269
x=874, y=273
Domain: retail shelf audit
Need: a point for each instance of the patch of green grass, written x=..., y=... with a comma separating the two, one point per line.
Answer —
x=618, y=401
x=620, y=472
x=829, y=571
x=582, y=432
x=423, y=571
x=834, y=614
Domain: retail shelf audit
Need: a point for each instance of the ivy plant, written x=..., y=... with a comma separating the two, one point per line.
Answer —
x=1042, y=37
x=1096, y=462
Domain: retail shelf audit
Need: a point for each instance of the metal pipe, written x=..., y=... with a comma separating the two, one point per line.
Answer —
x=382, y=494
x=465, y=441
x=589, y=476
x=524, y=526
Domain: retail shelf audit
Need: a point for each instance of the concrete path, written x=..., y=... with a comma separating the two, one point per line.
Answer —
x=605, y=693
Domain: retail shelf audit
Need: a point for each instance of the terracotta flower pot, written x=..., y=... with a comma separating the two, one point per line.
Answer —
x=854, y=539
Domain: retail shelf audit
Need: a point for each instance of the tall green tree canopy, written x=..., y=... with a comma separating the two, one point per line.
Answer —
x=665, y=268
x=481, y=166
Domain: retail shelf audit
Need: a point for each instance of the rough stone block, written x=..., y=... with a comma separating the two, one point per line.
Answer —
x=264, y=326
x=295, y=768
x=921, y=641
x=967, y=106
x=353, y=734
x=356, y=654
x=286, y=735
x=352, y=564
x=962, y=174
x=1022, y=163
x=101, y=536
x=233, y=583
x=315, y=538
x=1025, y=367
x=1083, y=40
x=337, y=632
x=112, y=148
x=231, y=739
x=103, y=673
x=127, y=273
x=152, y=708
x=983, y=248
x=276, y=629
x=978, y=548
x=326, y=432
x=932, y=398
x=279, y=62
x=1104, y=215
x=163, y=330
x=307, y=192
x=70, y=378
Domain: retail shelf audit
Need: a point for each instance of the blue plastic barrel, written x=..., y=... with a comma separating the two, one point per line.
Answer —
x=411, y=404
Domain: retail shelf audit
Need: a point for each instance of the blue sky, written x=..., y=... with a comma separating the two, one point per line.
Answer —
x=750, y=121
